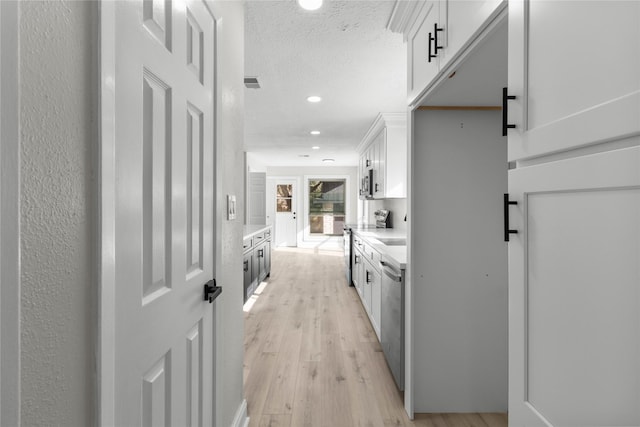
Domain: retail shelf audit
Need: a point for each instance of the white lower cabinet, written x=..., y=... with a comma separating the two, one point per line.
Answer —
x=375, y=289
x=367, y=280
x=574, y=291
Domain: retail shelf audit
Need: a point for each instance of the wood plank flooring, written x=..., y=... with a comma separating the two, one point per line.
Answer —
x=313, y=359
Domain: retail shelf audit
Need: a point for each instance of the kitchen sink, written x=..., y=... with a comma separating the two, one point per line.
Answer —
x=393, y=242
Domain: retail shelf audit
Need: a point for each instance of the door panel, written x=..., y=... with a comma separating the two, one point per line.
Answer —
x=552, y=110
x=575, y=292
x=420, y=70
x=164, y=164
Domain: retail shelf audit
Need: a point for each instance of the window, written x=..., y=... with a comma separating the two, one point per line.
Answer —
x=283, y=197
x=326, y=206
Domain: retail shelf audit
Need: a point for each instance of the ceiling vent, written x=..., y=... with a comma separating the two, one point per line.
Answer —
x=251, y=83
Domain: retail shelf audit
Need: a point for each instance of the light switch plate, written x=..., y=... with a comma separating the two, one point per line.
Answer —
x=231, y=207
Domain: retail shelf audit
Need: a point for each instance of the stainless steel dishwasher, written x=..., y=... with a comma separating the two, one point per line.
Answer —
x=392, y=320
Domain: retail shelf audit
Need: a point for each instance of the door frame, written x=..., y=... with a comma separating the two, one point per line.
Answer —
x=106, y=365
x=9, y=216
x=307, y=237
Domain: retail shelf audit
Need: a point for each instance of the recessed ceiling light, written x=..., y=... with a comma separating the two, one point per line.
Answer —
x=310, y=4
x=315, y=132
x=315, y=147
x=328, y=160
x=314, y=98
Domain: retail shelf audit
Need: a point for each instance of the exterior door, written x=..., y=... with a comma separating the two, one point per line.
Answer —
x=163, y=224
x=286, y=222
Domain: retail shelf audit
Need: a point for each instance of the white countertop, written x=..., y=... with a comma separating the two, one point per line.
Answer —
x=250, y=230
x=396, y=255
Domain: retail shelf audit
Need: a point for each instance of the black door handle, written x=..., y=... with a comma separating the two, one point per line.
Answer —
x=505, y=111
x=506, y=203
x=211, y=291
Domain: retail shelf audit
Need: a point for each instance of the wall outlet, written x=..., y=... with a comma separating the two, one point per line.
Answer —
x=231, y=207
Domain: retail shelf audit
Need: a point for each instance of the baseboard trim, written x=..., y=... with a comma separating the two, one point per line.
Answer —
x=241, y=419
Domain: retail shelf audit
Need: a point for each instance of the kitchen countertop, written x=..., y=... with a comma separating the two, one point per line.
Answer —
x=250, y=230
x=396, y=255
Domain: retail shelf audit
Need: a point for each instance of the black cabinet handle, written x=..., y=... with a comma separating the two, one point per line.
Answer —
x=246, y=265
x=433, y=37
x=505, y=111
x=211, y=291
x=260, y=253
x=506, y=203
x=430, y=54
x=369, y=277
x=377, y=187
x=436, y=45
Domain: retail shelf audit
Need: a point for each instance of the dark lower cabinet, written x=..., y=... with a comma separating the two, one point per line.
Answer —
x=256, y=261
x=247, y=266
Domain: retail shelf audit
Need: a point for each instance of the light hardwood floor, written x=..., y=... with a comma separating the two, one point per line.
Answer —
x=313, y=359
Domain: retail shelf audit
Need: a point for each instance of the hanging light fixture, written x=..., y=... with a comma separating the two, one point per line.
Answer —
x=310, y=4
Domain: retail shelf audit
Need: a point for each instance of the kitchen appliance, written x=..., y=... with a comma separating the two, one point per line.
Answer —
x=392, y=320
x=347, y=236
x=383, y=218
x=366, y=185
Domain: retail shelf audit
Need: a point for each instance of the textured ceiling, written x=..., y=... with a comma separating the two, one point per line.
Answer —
x=341, y=52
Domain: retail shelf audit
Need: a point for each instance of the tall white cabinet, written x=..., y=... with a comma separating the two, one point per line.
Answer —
x=574, y=275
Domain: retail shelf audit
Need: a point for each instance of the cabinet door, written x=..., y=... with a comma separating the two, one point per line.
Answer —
x=460, y=21
x=262, y=268
x=378, y=146
x=357, y=272
x=574, y=67
x=574, y=287
x=366, y=291
x=247, y=265
x=267, y=257
x=376, y=297
x=255, y=269
x=420, y=71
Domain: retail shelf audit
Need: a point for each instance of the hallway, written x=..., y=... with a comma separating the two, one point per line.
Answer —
x=312, y=357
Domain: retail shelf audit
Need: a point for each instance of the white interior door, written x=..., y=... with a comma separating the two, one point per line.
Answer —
x=286, y=214
x=163, y=224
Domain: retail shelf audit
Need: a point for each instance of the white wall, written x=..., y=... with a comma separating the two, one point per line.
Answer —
x=59, y=128
x=229, y=350
x=59, y=121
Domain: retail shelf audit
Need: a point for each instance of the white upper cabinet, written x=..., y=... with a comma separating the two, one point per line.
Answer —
x=461, y=21
x=565, y=70
x=383, y=150
x=436, y=32
x=423, y=63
